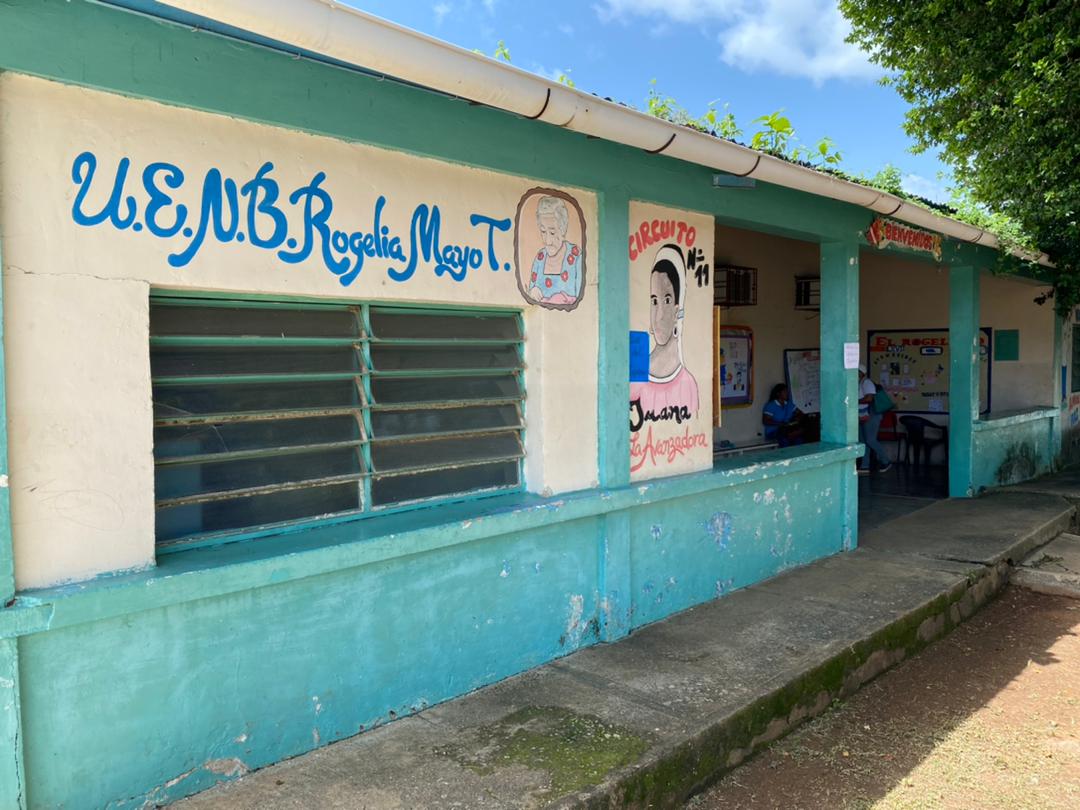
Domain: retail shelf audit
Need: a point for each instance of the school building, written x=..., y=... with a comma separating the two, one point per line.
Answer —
x=320, y=339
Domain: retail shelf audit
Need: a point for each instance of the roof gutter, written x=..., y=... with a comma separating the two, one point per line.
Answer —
x=352, y=36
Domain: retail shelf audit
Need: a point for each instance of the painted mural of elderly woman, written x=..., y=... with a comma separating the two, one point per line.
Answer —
x=556, y=270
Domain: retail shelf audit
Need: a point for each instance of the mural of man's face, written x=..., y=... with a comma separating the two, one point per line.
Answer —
x=550, y=233
x=663, y=314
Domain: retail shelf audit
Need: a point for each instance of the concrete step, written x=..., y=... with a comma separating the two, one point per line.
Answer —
x=651, y=719
x=1053, y=568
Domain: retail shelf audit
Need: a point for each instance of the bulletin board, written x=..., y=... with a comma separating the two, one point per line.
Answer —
x=802, y=374
x=913, y=366
x=734, y=376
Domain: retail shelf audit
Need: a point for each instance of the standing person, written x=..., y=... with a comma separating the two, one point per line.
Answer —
x=869, y=424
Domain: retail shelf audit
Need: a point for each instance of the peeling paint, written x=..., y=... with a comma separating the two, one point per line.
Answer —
x=505, y=572
x=574, y=626
x=720, y=527
x=656, y=531
x=231, y=766
x=3, y=482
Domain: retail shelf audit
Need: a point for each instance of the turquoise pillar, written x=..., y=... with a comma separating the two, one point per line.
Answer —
x=613, y=398
x=839, y=385
x=963, y=378
x=11, y=771
x=11, y=766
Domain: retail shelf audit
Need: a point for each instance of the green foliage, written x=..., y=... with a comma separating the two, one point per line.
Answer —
x=995, y=86
x=662, y=106
x=501, y=51
x=889, y=179
x=775, y=135
x=564, y=78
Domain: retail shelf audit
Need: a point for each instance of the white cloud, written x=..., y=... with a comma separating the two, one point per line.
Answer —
x=566, y=29
x=802, y=38
x=924, y=187
x=441, y=10
x=490, y=6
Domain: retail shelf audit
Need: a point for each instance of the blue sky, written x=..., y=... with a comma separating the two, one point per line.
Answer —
x=755, y=55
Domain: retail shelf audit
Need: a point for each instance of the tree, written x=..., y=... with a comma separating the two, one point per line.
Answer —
x=995, y=85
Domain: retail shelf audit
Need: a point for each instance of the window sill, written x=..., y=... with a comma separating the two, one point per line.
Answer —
x=207, y=572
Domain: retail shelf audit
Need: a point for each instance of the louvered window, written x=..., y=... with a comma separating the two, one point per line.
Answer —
x=272, y=412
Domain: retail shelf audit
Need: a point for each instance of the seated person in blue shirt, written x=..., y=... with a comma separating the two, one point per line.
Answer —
x=782, y=420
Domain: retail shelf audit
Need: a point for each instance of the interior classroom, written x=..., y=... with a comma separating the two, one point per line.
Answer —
x=767, y=327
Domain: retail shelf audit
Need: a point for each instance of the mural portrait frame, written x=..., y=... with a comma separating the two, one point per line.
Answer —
x=581, y=257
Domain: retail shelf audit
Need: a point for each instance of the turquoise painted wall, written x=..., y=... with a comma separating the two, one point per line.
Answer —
x=218, y=674
x=118, y=709
x=1009, y=451
x=691, y=550
x=149, y=686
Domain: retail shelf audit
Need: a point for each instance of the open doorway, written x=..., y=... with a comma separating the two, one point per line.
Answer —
x=766, y=333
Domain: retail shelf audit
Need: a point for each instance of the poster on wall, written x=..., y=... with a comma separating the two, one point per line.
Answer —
x=802, y=374
x=913, y=366
x=734, y=363
x=671, y=354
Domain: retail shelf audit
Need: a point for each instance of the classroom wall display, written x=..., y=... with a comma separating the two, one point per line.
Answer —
x=671, y=348
x=734, y=376
x=802, y=374
x=913, y=366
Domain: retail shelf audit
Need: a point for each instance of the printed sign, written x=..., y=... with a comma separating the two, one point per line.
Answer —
x=884, y=232
x=913, y=366
x=734, y=364
x=671, y=295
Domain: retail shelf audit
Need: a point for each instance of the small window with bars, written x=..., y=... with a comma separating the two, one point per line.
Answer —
x=275, y=412
x=735, y=286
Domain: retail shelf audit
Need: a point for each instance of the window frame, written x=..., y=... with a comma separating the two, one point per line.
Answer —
x=223, y=299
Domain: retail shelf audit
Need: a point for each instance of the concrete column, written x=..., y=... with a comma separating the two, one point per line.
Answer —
x=839, y=386
x=963, y=378
x=613, y=404
x=11, y=766
x=1058, y=393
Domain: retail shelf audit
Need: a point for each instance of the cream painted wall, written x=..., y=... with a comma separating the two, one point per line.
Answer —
x=776, y=323
x=1032, y=380
x=76, y=298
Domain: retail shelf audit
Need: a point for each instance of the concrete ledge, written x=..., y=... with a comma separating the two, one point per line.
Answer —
x=1053, y=569
x=669, y=776
x=650, y=720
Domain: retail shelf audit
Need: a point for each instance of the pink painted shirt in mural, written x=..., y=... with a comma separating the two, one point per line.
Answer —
x=678, y=392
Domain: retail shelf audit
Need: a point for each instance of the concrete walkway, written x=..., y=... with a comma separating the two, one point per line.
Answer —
x=651, y=719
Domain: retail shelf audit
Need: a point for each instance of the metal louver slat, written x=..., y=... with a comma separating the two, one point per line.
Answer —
x=272, y=412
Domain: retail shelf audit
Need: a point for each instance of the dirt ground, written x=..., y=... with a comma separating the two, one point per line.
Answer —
x=988, y=717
